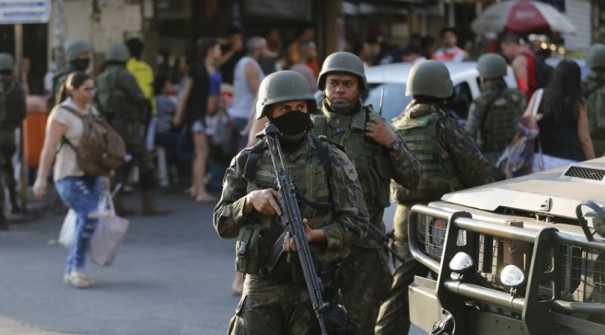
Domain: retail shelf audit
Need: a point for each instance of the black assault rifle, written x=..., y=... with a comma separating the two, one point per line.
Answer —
x=292, y=222
x=376, y=235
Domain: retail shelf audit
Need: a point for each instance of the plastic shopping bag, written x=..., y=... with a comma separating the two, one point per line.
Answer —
x=68, y=229
x=109, y=233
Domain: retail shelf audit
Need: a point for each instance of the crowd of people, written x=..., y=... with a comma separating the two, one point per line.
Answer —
x=345, y=160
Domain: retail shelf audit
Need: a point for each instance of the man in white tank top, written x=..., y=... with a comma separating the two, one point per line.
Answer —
x=246, y=79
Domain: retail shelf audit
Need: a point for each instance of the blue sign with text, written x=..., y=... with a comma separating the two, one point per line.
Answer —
x=24, y=11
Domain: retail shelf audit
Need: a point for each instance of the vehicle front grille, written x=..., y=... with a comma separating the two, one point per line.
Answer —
x=580, y=270
x=581, y=276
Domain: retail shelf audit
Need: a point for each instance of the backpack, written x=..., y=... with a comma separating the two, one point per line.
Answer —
x=516, y=159
x=101, y=149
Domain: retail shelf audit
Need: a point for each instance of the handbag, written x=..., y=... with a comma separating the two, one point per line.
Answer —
x=517, y=158
x=68, y=229
x=109, y=233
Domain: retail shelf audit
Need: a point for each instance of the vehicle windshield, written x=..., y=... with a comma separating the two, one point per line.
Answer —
x=393, y=103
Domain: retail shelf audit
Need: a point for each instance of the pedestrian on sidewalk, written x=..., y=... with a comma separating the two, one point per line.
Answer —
x=200, y=99
x=80, y=192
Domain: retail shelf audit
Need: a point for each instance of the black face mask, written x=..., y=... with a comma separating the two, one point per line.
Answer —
x=293, y=127
x=81, y=64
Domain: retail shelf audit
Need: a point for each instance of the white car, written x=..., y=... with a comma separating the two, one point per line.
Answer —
x=393, y=78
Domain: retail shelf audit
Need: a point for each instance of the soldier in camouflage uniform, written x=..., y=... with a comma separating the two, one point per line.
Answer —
x=493, y=116
x=277, y=302
x=121, y=101
x=594, y=92
x=379, y=154
x=12, y=112
x=78, y=55
x=450, y=161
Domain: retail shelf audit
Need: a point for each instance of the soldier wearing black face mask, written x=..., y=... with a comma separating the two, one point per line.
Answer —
x=78, y=54
x=275, y=299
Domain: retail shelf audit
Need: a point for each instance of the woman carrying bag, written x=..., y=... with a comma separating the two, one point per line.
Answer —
x=79, y=191
x=564, y=135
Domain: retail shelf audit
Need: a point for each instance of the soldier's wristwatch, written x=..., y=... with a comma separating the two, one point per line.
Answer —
x=396, y=145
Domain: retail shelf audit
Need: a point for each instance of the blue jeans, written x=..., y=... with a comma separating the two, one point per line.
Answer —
x=81, y=194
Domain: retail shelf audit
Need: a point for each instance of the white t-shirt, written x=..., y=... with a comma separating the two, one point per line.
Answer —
x=66, y=164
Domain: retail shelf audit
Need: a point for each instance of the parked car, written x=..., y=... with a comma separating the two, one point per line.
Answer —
x=520, y=256
x=393, y=77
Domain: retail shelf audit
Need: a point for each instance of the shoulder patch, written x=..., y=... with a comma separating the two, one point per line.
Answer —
x=350, y=171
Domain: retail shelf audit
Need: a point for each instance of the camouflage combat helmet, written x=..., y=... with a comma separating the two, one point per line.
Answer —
x=596, y=56
x=283, y=86
x=429, y=78
x=75, y=48
x=117, y=52
x=491, y=66
x=342, y=62
x=6, y=61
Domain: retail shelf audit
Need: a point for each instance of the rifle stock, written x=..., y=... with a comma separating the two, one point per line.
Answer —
x=292, y=221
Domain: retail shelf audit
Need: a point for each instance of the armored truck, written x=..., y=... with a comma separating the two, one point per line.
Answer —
x=519, y=256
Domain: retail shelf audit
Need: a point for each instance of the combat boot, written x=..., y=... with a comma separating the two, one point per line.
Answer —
x=121, y=210
x=15, y=208
x=3, y=223
x=149, y=206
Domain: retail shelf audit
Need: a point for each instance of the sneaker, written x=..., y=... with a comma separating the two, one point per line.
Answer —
x=77, y=279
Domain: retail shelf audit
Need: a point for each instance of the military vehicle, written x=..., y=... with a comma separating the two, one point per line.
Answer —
x=520, y=256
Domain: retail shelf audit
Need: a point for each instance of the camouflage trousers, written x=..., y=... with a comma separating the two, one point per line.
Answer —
x=394, y=316
x=273, y=309
x=365, y=284
x=7, y=149
x=141, y=157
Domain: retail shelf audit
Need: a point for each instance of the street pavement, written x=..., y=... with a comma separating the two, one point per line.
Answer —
x=172, y=275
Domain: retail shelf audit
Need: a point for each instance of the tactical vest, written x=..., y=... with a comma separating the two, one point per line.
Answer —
x=259, y=237
x=12, y=104
x=112, y=100
x=438, y=175
x=500, y=123
x=372, y=163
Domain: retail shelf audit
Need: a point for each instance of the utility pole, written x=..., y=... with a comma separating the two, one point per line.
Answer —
x=58, y=51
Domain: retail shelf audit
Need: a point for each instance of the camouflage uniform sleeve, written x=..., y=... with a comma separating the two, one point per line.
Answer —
x=476, y=115
x=349, y=207
x=228, y=213
x=471, y=166
x=406, y=168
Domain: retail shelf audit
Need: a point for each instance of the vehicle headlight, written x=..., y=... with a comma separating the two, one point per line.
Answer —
x=512, y=276
x=462, y=262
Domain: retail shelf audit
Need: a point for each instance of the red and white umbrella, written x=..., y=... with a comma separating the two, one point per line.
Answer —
x=521, y=16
